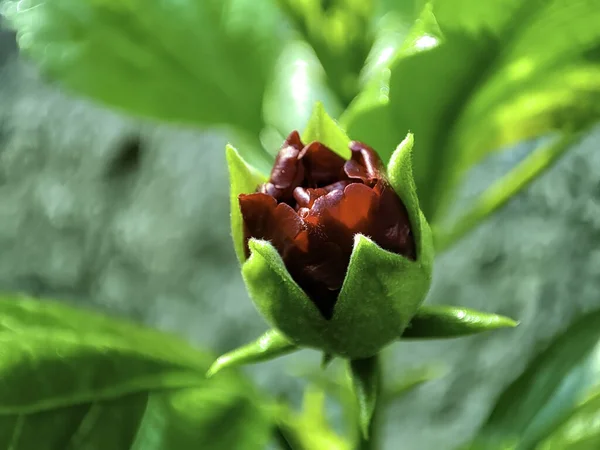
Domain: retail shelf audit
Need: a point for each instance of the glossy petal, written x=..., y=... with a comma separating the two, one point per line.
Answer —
x=265, y=219
x=287, y=172
x=364, y=164
x=322, y=165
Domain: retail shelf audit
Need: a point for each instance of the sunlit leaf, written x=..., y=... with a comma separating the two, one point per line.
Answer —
x=501, y=71
x=299, y=83
x=73, y=380
x=581, y=431
x=553, y=384
x=187, y=61
x=341, y=35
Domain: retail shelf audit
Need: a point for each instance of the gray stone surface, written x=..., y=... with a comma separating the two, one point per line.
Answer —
x=151, y=242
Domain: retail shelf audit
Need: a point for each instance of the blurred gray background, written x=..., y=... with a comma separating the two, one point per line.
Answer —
x=146, y=236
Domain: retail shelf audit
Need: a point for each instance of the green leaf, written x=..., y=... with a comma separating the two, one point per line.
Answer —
x=501, y=191
x=365, y=380
x=270, y=345
x=532, y=69
x=299, y=83
x=243, y=179
x=321, y=127
x=581, y=431
x=340, y=32
x=409, y=380
x=439, y=322
x=72, y=379
x=192, y=62
x=544, y=395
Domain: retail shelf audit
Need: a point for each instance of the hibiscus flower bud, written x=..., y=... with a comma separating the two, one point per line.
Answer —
x=337, y=255
x=314, y=204
x=335, y=251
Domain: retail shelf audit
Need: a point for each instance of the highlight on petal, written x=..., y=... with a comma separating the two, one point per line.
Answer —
x=368, y=160
x=287, y=172
x=265, y=219
x=439, y=322
x=270, y=345
x=322, y=166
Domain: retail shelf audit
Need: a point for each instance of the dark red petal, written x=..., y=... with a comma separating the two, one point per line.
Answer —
x=322, y=165
x=287, y=172
x=331, y=225
x=265, y=219
x=305, y=198
x=365, y=163
x=351, y=207
x=390, y=225
x=293, y=140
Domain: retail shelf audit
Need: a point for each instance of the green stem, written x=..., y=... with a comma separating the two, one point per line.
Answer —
x=503, y=190
x=373, y=442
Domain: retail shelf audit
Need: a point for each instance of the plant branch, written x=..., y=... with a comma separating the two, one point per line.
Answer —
x=373, y=441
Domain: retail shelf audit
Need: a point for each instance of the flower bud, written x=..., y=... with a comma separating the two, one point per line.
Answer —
x=337, y=255
x=313, y=205
x=335, y=251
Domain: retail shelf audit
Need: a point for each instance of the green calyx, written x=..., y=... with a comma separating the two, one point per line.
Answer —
x=382, y=291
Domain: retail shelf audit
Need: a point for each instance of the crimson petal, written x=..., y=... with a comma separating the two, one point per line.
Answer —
x=322, y=166
x=265, y=219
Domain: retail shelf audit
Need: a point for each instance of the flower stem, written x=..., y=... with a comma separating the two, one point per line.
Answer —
x=373, y=441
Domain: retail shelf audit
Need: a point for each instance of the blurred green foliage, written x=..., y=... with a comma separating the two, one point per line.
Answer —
x=74, y=380
x=553, y=404
x=467, y=77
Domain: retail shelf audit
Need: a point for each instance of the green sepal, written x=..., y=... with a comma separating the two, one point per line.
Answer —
x=400, y=173
x=279, y=299
x=364, y=374
x=439, y=322
x=381, y=293
x=269, y=346
x=321, y=127
x=243, y=179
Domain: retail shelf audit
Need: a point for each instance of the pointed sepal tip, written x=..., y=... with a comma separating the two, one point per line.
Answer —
x=269, y=346
x=439, y=322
